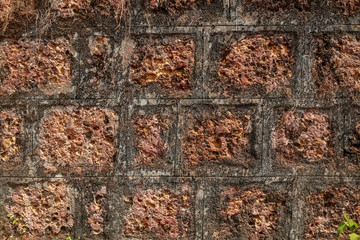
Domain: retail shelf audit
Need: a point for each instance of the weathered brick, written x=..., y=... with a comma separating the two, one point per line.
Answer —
x=152, y=147
x=280, y=5
x=251, y=213
x=325, y=211
x=256, y=62
x=302, y=136
x=15, y=11
x=76, y=139
x=29, y=65
x=45, y=210
x=336, y=64
x=71, y=8
x=169, y=66
x=217, y=138
x=348, y=6
x=11, y=130
x=160, y=213
x=96, y=211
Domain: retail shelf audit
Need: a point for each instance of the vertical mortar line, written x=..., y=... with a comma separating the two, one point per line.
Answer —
x=177, y=161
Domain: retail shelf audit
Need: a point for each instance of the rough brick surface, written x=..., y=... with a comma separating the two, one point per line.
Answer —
x=336, y=63
x=150, y=142
x=258, y=61
x=170, y=6
x=96, y=211
x=217, y=139
x=77, y=139
x=45, y=210
x=29, y=65
x=170, y=66
x=248, y=214
x=11, y=127
x=302, y=136
x=348, y=6
x=159, y=213
x=325, y=211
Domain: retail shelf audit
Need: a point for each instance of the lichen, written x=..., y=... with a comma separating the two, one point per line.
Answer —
x=325, y=211
x=96, y=211
x=217, y=140
x=78, y=139
x=302, y=135
x=253, y=213
x=29, y=65
x=150, y=143
x=170, y=66
x=11, y=125
x=336, y=64
x=258, y=61
x=45, y=210
x=161, y=214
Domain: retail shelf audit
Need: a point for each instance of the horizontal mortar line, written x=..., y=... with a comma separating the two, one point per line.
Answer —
x=232, y=24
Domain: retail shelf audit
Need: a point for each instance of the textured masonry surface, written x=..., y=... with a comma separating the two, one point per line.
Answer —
x=169, y=119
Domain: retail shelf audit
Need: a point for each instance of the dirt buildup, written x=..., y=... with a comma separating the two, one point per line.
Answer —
x=280, y=5
x=252, y=212
x=336, y=64
x=217, y=140
x=30, y=65
x=150, y=143
x=171, y=7
x=169, y=66
x=45, y=210
x=325, y=211
x=348, y=6
x=258, y=61
x=77, y=139
x=302, y=135
x=159, y=214
x=18, y=11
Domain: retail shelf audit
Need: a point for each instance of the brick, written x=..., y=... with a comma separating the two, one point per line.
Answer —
x=219, y=138
x=45, y=210
x=150, y=143
x=170, y=6
x=96, y=211
x=302, y=136
x=336, y=64
x=78, y=139
x=168, y=65
x=71, y=8
x=27, y=66
x=11, y=131
x=325, y=211
x=247, y=213
x=279, y=5
x=256, y=63
x=349, y=7
x=15, y=11
x=165, y=213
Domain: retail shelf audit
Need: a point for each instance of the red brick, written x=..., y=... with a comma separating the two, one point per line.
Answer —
x=325, y=211
x=258, y=61
x=160, y=214
x=96, y=211
x=336, y=64
x=11, y=128
x=253, y=213
x=348, y=6
x=170, y=6
x=170, y=66
x=302, y=135
x=29, y=65
x=150, y=143
x=77, y=139
x=217, y=139
x=45, y=210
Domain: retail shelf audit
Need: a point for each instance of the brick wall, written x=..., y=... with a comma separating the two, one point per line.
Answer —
x=169, y=119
